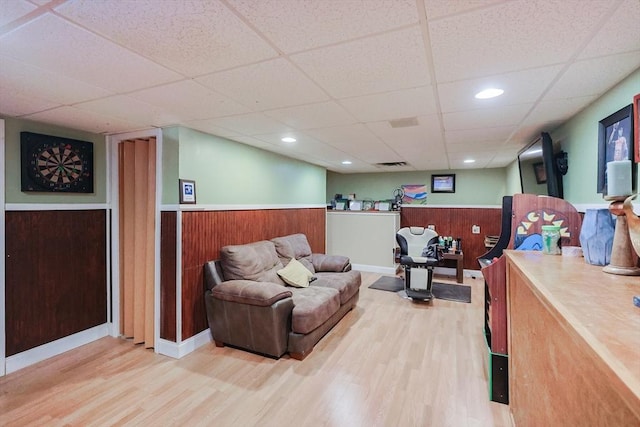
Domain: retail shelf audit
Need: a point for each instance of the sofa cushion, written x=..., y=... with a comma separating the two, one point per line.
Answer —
x=312, y=306
x=347, y=283
x=250, y=292
x=295, y=274
x=294, y=246
x=254, y=261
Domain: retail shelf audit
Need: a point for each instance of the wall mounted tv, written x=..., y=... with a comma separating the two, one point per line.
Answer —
x=542, y=165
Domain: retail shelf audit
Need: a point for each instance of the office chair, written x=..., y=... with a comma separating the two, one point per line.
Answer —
x=419, y=254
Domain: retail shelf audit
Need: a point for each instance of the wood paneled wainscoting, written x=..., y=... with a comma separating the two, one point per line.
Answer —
x=457, y=222
x=56, y=275
x=203, y=233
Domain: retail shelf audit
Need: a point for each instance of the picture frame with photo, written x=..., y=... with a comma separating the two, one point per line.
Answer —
x=615, y=137
x=187, y=191
x=444, y=183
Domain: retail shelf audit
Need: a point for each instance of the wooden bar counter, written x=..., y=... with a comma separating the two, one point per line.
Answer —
x=574, y=343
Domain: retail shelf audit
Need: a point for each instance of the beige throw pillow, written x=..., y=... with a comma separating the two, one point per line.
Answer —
x=295, y=274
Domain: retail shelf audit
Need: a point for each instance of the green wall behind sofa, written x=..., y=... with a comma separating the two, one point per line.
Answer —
x=228, y=172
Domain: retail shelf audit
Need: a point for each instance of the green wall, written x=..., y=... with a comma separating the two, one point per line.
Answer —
x=513, y=185
x=473, y=186
x=227, y=172
x=13, y=127
x=170, y=158
x=579, y=138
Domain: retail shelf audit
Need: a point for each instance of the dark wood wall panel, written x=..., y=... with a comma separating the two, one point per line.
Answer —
x=168, y=221
x=204, y=233
x=457, y=222
x=56, y=275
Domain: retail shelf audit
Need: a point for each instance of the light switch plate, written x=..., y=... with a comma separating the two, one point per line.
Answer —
x=475, y=229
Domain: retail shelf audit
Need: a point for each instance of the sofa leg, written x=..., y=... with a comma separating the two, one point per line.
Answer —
x=218, y=343
x=300, y=356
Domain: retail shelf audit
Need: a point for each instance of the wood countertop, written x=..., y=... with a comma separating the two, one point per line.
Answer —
x=595, y=306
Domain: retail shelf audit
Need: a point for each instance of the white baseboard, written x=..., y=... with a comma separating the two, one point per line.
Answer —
x=374, y=268
x=54, y=348
x=177, y=351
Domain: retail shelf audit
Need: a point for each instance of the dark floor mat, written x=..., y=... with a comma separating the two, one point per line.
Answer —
x=445, y=291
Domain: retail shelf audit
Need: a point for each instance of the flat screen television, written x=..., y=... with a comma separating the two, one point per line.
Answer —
x=542, y=165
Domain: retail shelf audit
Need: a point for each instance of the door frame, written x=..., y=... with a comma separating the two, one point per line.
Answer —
x=113, y=311
x=3, y=187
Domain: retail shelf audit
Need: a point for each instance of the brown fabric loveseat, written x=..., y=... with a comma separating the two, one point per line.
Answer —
x=249, y=306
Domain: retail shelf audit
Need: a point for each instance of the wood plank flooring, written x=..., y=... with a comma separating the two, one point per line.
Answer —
x=390, y=362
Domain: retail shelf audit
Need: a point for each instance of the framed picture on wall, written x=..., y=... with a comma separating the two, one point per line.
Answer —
x=187, y=191
x=614, y=142
x=443, y=183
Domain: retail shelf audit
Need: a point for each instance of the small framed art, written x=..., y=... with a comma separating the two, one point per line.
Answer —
x=187, y=191
x=614, y=143
x=443, y=183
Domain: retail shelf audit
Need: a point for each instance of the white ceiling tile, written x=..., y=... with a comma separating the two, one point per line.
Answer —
x=132, y=109
x=189, y=101
x=10, y=10
x=265, y=86
x=341, y=136
x=252, y=124
x=438, y=8
x=32, y=81
x=510, y=36
x=295, y=25
x=593, y=76
x=207, y=126
x=254, y=142
x=418, y=101
x=508, y=115
x=557, y=110
x=469, y=147
x=426, y=133
x=14, y=102
x=324, y=114
x=84, y=120
x=345, y=70
x=191, y=37
x=621, y=32
x=494, y=134
x=66, y=49
x=519, y=87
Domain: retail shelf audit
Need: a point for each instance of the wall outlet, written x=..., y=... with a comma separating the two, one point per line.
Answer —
x=431, y=227
x=475, y=229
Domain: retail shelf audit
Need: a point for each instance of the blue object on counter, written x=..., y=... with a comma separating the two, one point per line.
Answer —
x=636, y=300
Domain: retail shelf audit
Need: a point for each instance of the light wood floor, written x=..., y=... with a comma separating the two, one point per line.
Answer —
x=390, y=362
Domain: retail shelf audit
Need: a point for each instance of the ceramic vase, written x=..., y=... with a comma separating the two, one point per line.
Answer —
x=596, y=236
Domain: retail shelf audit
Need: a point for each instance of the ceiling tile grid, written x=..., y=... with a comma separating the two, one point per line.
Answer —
x=335, y=74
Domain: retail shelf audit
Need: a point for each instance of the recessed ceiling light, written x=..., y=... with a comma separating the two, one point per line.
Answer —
x=489, y=93
x=346, y=162
x=288, y=139
x=469, y=161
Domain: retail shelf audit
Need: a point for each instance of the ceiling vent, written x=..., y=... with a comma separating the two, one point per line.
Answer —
x=404, y=123
x=391, y=164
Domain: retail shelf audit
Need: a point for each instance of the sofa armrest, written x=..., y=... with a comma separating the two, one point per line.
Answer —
x=261, y=294
x=330, y=263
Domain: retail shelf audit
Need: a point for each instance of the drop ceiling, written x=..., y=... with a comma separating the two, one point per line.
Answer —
x=337, y=75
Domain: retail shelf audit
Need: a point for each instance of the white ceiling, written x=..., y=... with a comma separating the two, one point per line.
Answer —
x=331, y=73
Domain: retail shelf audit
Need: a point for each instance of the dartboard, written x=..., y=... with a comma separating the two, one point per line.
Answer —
x=56, y=164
